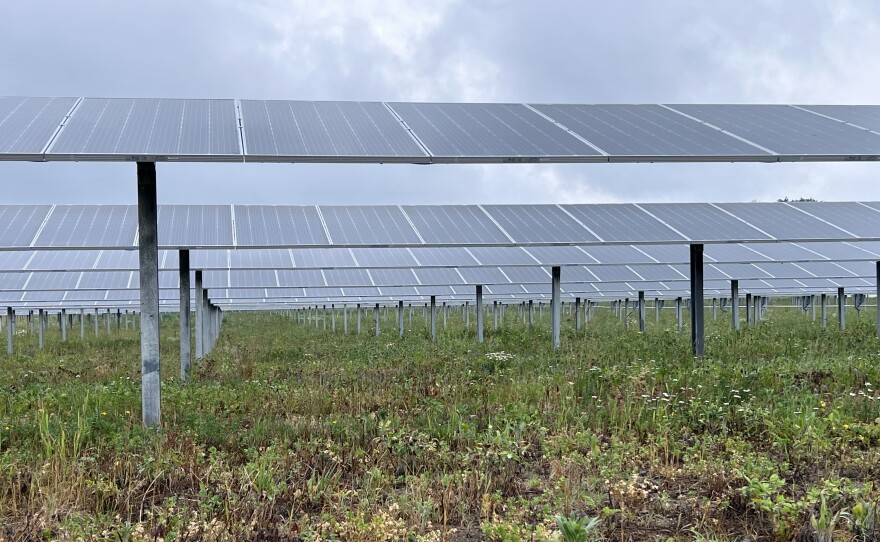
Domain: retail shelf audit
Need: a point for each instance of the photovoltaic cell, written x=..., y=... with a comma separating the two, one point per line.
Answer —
x=14, y=261
x=392, y=277
x=621, y=222
x=539, y=224
x=368, y=225
x=649, y=131
x=614, y=273
x=841, y=251
x=90, y=226
x=195, y=225
x=252, y=278
x=294, y=129
x=787, y=130
x=347, y=277
x=622, y=254
x=502, y=256
x=438, y=275
x=440, y=256
x=53, y=281
x=454, y=224
x=135, y=128
x=301, y=278
x=508, y=132
x=27, y=124
x=735, y=253
x=19, y=224
x=865, y=116
x=741, y=270
x=663, y=253
x=521, y=275
x=322, y=258
x=269, y=225
x=62, y=260
x=383, y=257
x=484, y=275
x=13, y=281
x=560, y=255
x=703, y=222
x=105, y=280
x=209, y=259
x=260, y=259
x=783, y=222
x=118, y=259
x=779, y=252
x=860, y=220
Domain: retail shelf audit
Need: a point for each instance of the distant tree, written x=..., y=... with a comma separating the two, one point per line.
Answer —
x=795, y=200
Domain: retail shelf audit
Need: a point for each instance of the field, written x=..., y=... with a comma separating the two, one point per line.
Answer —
x=295, y=433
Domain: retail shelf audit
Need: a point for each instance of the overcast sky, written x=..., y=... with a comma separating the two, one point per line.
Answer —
x=803, y=51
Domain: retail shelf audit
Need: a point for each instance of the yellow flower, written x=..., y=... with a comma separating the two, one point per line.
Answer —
x=822, y=404
x=846, y=426
x=127, y=412
x=103, y=413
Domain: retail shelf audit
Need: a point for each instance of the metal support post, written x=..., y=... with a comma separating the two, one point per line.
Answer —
x=185, y=327
x=433, y=318
x=200, y=316
x=467, y=315
x=877, y=278
x=494, y=316
x=40, y=327
x=678, y=321
x=531, y=313
x=641, y=312
x=841, y=308
x=734, y=303
x=697, y=301
x=824, y=302
x=714, y=310
x=148, y=252
x=555, y=308
x=479, y=308
x=82, y=324
x=400, y=316
x=376, y=315
x=748, y=309
x=10, y=329
x=345, y=319
x=359, y=318
x=333, y=318
x=64, y=325
x=577, y=314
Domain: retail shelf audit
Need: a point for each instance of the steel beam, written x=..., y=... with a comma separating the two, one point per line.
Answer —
x=841, y=308
x=555, y=307
x=734, y=303
x=641, y=312
x=698, y=339
x=479, y=305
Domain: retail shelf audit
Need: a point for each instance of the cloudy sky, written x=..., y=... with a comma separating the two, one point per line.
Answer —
x=772, y=51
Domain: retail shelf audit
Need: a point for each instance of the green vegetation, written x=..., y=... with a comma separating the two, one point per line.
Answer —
x=294, y=433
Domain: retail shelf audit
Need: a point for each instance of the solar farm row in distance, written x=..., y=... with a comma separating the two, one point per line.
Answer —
x=263, y=299
x=439, y=257
x=264, y=226
x=650, y=276
x=154, y=129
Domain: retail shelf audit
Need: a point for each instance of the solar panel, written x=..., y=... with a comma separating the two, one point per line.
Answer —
x=368, y=225
x=703, y=222
x=252, y=277
x=438, y=275
x=89, y=226
x=786, y=130
x=865, y=116
x=560, y=255
x=52, y=281
x=14, y=261
x=260, y=259
x=843, y=251
x=539, y=224
x=521, y=275
x=149, y=128
x=13, y=281
x=392, y=277
x=623, y=254
x=383, y=257
x=740, y=270
x=501, y=132
x=301, y=278
x=107, y=280
x=19, y=224
x=779, y=252
x=269, y=225
x=484, y=275
x=646, y=131
x=501, y=256
x=859, y=220
x=621, y=222
x=27, y=125
x=209, y=259
x=614, y=273
x=440, y=256
x=347, y=277
x=117, y=259
x=322, y=258
x=61, y=260
x=454, y=224
x=733, y=253
x=780, y=221
x=295, y=130
x=195, y=225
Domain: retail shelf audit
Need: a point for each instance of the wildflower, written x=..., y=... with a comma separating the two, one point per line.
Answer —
x=822, y=404
x=103, y=413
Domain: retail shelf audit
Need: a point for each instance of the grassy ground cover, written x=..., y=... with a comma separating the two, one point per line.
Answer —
x=295, y=433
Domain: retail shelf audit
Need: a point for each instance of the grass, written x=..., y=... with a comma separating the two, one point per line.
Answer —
x=290, y=432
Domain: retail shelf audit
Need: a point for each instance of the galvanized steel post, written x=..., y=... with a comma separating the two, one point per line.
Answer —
x=841, y=308
x=200, y=309
x=697, y=301
x=148, y=252
x=479, y=309
x=555, y=307
x=734, y=303
x=185, y=328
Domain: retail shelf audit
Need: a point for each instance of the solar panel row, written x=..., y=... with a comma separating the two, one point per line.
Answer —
x=261, y=226
x=295, y=131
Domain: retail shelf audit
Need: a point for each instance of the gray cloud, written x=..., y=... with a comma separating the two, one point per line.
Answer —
x=688, y=51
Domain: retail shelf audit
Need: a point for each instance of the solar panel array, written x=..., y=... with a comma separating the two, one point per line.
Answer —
x=156, y=129
x=414, y=227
